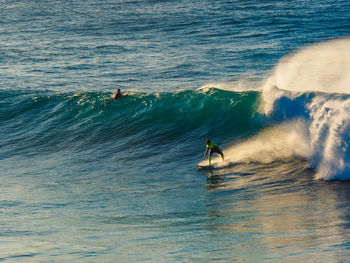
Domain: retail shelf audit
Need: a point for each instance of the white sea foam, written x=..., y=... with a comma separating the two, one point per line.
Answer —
x=275, y=143
x=306, y=102
x=325, y=70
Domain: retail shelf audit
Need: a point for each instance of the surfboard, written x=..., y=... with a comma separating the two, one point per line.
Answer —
x=205, y=167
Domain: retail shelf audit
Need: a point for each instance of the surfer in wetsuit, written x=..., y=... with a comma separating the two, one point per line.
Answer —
x=116, y=96
x=214, y=148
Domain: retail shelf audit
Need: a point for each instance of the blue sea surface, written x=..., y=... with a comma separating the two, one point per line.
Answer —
x=86, y=179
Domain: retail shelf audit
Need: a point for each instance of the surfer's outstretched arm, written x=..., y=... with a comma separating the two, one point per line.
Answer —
x=205, y=154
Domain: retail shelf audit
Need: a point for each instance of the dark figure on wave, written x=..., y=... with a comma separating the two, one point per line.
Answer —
x=212, y=147
x=117, y=96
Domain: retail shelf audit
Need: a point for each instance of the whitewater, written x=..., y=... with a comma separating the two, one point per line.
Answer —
x=306, y=104
x=83, y=180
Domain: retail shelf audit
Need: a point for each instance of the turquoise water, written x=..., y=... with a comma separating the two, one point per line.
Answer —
x=86, y=181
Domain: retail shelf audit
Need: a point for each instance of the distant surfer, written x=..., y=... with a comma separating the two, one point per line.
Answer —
x=212, y=147
x=116, y=96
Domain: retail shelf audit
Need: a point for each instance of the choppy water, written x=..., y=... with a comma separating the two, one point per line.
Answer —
x=86, y=181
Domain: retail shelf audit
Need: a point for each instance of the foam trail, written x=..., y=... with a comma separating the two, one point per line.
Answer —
x=277, y=143
x=295, y=89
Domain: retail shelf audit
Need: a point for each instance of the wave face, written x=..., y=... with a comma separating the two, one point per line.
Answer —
x=46, y=122
x=313, y=87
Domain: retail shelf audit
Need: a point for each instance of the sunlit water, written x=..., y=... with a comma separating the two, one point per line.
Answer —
x=82, y=181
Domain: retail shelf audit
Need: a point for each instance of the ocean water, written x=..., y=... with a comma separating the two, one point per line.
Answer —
x=83, y=180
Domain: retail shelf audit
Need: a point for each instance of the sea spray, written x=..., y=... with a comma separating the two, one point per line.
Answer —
x=277, y=143
x=314, y=84
x=322, y=67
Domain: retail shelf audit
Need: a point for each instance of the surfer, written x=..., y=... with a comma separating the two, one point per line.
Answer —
x=116, y=96
x=214, y=148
